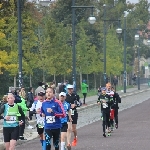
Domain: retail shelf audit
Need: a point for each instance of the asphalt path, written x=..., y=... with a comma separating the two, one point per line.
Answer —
x=132, y=134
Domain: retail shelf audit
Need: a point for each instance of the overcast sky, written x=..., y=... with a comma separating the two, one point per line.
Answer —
x=135, y=1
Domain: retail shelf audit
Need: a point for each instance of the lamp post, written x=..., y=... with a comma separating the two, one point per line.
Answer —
x=137, y=38
x=119, y=30
x=124, y=80
x=19, y=42
x=91, y=20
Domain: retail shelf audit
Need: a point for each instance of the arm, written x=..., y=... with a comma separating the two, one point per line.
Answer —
x=2, y=111
x=21, y=113
x=17, y=99
x=60, y=110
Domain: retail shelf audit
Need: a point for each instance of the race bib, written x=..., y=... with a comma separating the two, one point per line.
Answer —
x=12, y=119
x=50, y=119
x=40, y=122
x=105, y=105
x=72, y=112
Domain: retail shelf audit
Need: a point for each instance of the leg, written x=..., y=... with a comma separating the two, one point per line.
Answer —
x=74, y=128
x=12, y=144
x=14, y=137
x=116, y=118
x=63, y=139
x=56, y=135
x=48, y=136
x=7, y=144
x=104, y=124
x=69, y=130
x=7, y=137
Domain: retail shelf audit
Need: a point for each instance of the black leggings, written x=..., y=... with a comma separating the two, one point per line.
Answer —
x=55, y=133
x=84, y=94
x=106, y=122
x=116, y=116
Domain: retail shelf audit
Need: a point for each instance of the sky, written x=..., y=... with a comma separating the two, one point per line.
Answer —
x=135, y=1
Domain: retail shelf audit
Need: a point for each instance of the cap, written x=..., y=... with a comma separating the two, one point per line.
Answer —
x=70, y=86
x=62, y=94
x=41, y=93
x=103, y=89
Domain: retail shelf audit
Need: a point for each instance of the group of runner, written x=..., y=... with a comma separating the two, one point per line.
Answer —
x=109, y=99
x=56, y=119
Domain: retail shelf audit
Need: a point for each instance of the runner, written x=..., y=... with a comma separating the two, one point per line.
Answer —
x=105, y=102
x=52, y=110
x=13, y=116
x=36, y=109
x=73, y=100
x=117, y=100
x=64, y=121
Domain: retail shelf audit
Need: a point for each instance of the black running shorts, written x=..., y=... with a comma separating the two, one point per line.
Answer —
x=64, y=127
x=10, y=133
x=74, y=118
x=40, y=130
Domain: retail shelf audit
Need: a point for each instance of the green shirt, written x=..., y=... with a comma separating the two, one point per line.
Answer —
x=84, y=87
x=23, y=106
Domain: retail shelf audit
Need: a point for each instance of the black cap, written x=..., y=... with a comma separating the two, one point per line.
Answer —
x=42, y=93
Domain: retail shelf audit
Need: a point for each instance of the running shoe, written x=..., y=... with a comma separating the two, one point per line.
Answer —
x=68, y=147
x=74, y=143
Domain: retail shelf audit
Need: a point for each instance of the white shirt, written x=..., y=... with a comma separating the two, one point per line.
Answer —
x=40, y=120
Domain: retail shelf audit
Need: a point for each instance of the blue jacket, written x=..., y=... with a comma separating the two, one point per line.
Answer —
x=66, y=109
x=52, y=120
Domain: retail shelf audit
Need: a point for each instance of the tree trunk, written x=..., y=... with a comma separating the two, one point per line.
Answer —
x=64, y=78
x=100, y=79
x=80, y=78
x=94, y=82
x=54, y=77
x=15, y=81
x=87, y=78
x=30, y=80
x=43, y=76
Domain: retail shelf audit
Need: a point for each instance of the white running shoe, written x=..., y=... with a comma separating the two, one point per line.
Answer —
x=29, y=127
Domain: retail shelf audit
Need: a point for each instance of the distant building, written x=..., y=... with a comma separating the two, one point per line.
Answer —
x=43, y=2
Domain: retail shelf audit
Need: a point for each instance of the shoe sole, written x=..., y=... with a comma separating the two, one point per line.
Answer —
x=68, y=147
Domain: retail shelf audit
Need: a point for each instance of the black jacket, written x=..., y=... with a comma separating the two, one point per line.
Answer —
x=73, y=99
x=108, y=103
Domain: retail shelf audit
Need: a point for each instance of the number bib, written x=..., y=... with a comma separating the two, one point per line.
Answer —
x=72, y=112
x=40, y=122
x=13, y=119
x=50, y=119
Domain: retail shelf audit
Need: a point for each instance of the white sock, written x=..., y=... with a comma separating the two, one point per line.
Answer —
x=62, y=145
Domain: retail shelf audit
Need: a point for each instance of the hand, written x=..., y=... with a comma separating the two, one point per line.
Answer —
x=49, y=110
x=70, y=119
x=38, y=111
x=73, y=105
x=103, y=101
x=43, y=115
x=28, y=118
x=20, y=122
x=98, y=103
x=7, y=118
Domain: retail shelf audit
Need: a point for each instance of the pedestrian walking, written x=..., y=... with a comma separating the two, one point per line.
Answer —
x=84, y=89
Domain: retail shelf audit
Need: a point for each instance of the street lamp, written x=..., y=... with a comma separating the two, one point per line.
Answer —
x=19, y=42
x=91, y=20
x=137, y=38
x=148, y=41
x=119, y=30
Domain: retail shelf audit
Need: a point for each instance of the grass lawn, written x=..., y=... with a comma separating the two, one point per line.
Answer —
x=94, y=92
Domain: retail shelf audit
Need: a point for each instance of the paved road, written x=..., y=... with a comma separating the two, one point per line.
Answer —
x=132, y=133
